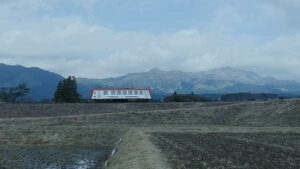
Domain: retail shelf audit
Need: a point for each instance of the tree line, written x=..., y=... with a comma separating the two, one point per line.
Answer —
x=185, y=98
x=249, y=97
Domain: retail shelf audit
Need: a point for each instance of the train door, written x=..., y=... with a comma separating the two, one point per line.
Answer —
x=94, y=95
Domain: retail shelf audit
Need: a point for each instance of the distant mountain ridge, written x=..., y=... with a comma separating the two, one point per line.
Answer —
x=42, y=83
x=223, y=80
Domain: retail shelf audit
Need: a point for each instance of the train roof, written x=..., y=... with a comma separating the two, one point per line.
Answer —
x=119, y=89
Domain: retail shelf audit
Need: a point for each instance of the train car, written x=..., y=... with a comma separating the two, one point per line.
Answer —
x=121, y=94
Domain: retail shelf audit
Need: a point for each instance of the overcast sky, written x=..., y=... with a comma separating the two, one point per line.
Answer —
x=105, y=38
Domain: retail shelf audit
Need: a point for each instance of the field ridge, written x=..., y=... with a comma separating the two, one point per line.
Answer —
x=136, y=152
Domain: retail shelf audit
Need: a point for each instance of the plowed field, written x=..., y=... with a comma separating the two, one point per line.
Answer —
x=221, y=150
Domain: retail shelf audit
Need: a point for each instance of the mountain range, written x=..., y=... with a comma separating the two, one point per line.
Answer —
x=42, y=83
x=224, y=80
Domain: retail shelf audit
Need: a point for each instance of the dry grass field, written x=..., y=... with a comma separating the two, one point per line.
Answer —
x=150, y=135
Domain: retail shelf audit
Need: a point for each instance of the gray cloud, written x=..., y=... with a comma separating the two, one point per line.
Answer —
x=70, y=45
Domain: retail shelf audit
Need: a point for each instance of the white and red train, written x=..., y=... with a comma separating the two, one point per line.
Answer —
x=121, y=94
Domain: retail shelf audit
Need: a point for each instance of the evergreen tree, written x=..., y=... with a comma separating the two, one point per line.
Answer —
x=67, y=91
x=59, y=93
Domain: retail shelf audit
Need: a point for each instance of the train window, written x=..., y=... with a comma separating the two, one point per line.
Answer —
x=141, y=93
x=113, y=92
x=136, y=92
x=105, y=93
x=129, y=92
x=124, y=92
x=118, y=92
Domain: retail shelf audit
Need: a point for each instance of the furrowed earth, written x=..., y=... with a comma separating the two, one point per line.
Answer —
x=150, y=135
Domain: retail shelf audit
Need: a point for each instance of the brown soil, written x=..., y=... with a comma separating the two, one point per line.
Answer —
x=220, y=150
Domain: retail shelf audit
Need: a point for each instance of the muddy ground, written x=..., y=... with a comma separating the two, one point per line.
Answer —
x=154, y=135
x=228, y=150
x=25, y=157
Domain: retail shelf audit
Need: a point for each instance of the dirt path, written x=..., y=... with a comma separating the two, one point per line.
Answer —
x=137, y=152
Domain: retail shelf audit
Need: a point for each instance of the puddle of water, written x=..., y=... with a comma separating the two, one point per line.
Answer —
x=85, y=164
x=80, y=164
x=53, y=157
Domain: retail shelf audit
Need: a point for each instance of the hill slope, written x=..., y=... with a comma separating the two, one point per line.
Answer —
x=42, y=83
x=284, y=113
